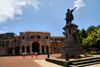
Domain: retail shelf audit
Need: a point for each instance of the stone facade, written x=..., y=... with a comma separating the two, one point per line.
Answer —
x=29, y=41
x=57, y=43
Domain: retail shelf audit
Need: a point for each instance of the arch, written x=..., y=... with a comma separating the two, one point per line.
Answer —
x=23, y=49
x=28, y=49
x=10, y=51
x=42, y=49
x=35, y=47
x=17, y=50
x=47, y=49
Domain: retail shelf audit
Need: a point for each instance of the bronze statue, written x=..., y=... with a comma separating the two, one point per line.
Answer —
x=69, y=15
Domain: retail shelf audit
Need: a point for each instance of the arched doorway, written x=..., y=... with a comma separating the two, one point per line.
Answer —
x=17, y=50
x=42, y=49
x=23, y=49
x=35, y=47
x=47, y=50
x=10, y=50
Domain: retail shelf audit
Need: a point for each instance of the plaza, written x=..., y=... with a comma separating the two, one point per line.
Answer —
x=19, y=61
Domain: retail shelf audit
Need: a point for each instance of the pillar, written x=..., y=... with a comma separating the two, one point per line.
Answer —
x=30, y=49
x=45, y=49
x=13, y=51
x=20, y=50
x=40, y=49
x=25, y=49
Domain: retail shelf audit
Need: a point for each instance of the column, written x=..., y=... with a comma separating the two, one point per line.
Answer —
x=30, y=49
x=45, y=49
x=20, y=50
x=25, y=49
x=13, y=51
x=40, y=49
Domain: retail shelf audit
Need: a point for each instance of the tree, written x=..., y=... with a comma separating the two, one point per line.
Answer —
x=82, y=34
x=98, y=27
x=91, y=28
x=93, y=39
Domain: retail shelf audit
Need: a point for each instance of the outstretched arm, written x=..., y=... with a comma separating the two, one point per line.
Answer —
x=73, y=9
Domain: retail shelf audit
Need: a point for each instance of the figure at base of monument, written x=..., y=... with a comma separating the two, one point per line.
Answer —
x=69, y=16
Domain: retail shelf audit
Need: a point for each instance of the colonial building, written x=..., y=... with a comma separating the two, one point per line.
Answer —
x=57, y=43
x=31, y=41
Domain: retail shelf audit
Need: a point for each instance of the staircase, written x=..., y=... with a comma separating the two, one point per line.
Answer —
x=85, y=62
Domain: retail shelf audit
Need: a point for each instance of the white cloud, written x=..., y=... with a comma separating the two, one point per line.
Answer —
x=78, y=4
x=50, y=4
x=58, y=16
x=18, y=18
x=4, y=27
x=1, y=32
x=58, y=10
x=8, y=8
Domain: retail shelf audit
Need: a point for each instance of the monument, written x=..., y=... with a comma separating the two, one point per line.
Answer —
x=72, y=44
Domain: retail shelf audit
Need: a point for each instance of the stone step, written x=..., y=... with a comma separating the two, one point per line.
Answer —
x=85, y=61
x=85, y=64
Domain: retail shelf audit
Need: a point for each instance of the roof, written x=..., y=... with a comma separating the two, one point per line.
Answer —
x=37, y=31
x=51, y=41
x=57, y=36
x=16, y=36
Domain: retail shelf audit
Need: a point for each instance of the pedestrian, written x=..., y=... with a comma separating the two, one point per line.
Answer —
x=36, y=54
x=31, y=54
x=24, y=55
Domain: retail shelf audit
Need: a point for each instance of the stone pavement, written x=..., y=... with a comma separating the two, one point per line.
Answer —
x=19, y=61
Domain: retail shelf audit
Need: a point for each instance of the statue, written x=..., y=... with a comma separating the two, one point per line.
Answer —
x=69, y=15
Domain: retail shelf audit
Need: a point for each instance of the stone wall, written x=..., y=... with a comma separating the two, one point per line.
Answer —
x=0, y=50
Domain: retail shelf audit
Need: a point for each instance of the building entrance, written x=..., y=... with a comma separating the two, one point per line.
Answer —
x=35, y=47
x=10, y=50
x=17, y=50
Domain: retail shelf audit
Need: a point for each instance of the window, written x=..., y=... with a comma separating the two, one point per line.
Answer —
x=23, y=37
x=38, y=36
x=15, y=40
x=3, y=45
x=32, y=37
x=46, y=37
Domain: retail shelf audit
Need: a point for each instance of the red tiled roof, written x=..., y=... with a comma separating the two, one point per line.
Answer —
x=51, y=41
x=57, y=36
x=16, y=36
x=38, y=31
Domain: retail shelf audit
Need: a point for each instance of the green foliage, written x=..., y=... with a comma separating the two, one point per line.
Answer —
x=90, y=29
x=82, y=34
x=98, y=27
x=93, y=39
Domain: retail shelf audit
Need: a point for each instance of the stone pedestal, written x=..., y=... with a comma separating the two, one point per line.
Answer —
x=72, y=44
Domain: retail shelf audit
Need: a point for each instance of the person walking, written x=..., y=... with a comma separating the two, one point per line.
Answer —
x=36, y=54
x=31, y=54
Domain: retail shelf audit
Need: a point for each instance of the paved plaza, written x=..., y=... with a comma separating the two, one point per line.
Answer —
x=19, y=61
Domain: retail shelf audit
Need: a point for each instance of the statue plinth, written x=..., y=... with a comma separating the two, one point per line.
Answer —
x=72, y=44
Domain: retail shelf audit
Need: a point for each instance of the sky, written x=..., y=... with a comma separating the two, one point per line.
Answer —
x=46, y=15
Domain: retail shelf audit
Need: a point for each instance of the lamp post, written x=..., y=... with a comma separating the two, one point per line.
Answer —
x=67, y=57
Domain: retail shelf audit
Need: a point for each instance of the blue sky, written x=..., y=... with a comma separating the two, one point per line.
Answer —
x=46, y=15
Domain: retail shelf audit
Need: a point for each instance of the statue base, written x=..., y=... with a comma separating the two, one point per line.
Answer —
x=72, y=44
